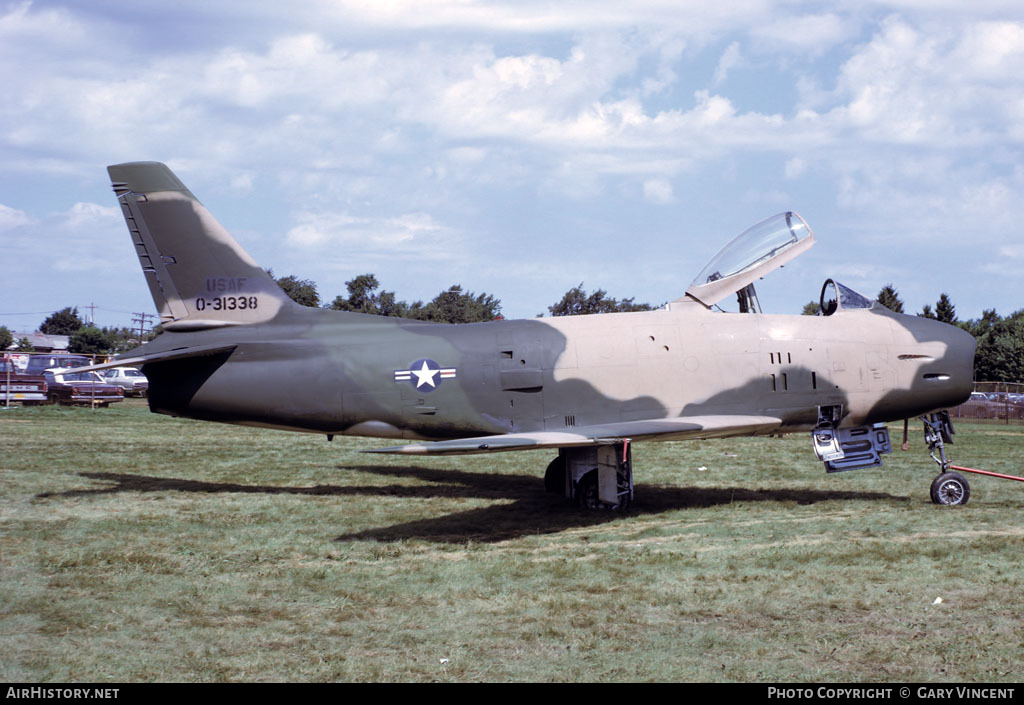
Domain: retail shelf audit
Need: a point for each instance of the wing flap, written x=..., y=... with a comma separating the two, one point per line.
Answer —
x=676, y=428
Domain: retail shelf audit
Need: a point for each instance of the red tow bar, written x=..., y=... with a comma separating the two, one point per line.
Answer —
x=986, y=472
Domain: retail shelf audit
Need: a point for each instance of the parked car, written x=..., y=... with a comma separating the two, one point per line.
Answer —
x=65, y=386
x=992, y=405
x=28, y=389
x=130, y=379
x=39, y=363
x=1006, y=405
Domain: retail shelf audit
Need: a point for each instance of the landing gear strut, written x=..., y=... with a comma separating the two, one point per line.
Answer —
x=949, y=487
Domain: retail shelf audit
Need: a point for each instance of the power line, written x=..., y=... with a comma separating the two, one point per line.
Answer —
x=30, y=313
x=43, y=313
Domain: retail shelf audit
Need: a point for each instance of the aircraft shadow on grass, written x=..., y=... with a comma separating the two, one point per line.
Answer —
x=523, y=508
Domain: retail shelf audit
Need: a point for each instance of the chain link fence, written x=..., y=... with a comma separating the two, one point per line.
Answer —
x=993, y=402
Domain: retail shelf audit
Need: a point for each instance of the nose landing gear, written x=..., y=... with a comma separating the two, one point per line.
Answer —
x=949, y=487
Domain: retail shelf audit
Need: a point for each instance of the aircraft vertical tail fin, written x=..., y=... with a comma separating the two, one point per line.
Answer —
x=198, y=275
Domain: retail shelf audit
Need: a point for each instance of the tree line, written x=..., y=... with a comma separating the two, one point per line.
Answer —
x=83, y=338
x=1000, y=340
x=452, y=305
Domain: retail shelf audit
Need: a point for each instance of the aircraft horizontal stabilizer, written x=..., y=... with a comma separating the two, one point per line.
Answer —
x=162, y=356
x=676, y=428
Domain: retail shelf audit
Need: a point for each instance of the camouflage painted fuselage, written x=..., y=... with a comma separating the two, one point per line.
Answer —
x=336, y=373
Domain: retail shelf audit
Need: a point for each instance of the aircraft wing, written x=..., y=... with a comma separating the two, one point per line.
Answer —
x=667, y=429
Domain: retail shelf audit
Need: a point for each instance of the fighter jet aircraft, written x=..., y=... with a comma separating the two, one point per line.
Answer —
x=234, y=348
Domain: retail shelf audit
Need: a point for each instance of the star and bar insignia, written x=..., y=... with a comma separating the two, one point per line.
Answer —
x=425, y=375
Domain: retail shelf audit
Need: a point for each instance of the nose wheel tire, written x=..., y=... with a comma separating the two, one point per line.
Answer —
x=950, y=488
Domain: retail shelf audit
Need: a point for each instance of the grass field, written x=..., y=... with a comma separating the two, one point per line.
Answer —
x=137, y=547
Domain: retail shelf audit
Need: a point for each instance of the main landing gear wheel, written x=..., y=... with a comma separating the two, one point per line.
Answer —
x=597, y=477
x=588, y=496
x=950, y=488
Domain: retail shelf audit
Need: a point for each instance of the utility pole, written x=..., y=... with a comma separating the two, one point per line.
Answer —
x=140, y=318
x=7, y=388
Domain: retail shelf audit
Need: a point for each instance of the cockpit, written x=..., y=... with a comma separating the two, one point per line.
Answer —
x=835, y=296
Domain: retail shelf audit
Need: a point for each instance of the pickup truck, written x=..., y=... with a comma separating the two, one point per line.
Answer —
x=28, y=389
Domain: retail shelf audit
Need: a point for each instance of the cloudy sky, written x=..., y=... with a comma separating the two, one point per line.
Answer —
x=520, y=147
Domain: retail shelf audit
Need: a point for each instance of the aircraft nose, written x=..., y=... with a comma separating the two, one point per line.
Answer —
x=959, y=358
x=943, y=375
